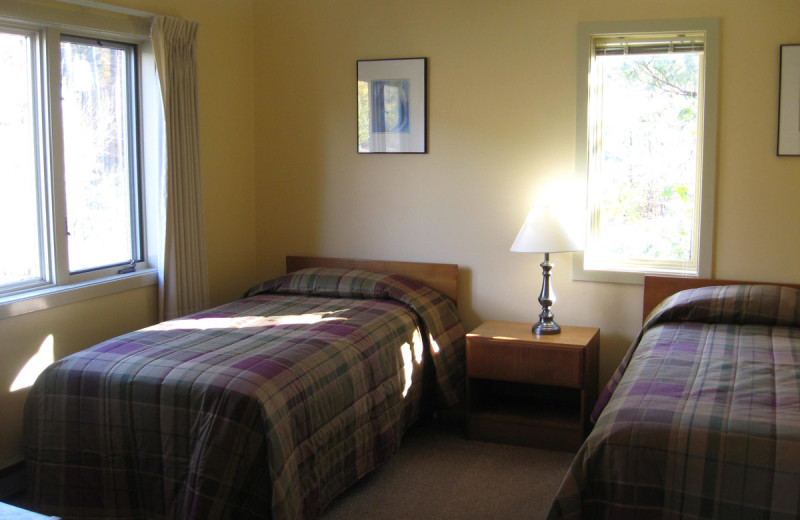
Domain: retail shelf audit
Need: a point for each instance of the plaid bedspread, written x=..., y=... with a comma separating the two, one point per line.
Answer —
x=702, y=418
x=267, y=407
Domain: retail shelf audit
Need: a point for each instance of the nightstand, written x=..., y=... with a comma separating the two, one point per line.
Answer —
x=531, y=390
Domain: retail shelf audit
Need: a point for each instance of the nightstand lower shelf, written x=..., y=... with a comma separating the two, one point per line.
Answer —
x=525, y=414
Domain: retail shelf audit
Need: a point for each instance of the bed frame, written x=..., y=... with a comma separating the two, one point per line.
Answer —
x=442, y=277
x=656, y=288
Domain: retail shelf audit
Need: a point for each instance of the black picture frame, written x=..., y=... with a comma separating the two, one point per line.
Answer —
x=789, y=104
x=392, y=105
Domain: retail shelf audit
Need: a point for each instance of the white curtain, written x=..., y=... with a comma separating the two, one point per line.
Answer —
x=183, y=270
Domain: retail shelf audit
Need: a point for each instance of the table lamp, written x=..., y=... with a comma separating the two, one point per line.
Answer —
x=544, y=232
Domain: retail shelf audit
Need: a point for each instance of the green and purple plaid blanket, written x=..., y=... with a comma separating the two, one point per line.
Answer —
x=702, y=419
x=267, y=407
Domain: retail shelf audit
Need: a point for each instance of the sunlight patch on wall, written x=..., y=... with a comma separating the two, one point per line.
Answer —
x=35, y=365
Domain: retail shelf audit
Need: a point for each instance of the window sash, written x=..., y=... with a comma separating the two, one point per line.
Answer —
x=590, y=36
x=129, y=142
x=595, y=257
x=42, y=275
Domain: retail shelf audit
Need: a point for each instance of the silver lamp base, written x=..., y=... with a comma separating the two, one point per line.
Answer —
x=546, y=325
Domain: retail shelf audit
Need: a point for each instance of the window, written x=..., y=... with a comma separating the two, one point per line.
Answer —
x=20, y=214
x=101, y=176
x=646, y=148
x=73, y=101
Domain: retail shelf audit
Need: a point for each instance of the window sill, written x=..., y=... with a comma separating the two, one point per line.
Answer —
x=625, y=277
x=578, y=273
x=50, y=297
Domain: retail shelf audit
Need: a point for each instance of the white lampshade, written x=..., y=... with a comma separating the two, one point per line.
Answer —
x=550, y=230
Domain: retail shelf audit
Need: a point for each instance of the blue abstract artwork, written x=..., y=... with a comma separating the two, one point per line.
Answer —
x=390, y=109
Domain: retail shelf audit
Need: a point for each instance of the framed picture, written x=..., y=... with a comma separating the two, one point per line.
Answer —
x=392, y=116
x=789, y=115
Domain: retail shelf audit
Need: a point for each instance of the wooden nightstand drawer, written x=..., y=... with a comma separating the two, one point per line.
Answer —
x=510, y=361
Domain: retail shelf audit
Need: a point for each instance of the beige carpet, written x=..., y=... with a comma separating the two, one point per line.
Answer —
x=438, y=474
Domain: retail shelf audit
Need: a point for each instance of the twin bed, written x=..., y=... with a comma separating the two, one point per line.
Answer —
x=266, y=407
x=702, y=417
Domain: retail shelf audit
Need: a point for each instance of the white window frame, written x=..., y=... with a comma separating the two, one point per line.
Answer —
x=91, y=20
x=705, y=242
x=136, y=180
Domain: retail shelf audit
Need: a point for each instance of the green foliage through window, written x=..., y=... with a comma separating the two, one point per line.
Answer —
x=644, y=163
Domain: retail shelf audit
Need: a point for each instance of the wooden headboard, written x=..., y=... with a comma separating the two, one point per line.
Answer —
x=442, y=277
x=656, y=288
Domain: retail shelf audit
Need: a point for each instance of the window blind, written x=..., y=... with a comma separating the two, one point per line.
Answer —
x=648, y=44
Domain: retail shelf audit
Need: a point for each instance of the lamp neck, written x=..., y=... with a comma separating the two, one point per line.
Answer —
x=546, y=296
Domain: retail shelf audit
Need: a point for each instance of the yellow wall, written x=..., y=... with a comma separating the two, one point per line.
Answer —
x=281, y=175
x=225, y=51
x=502, y=87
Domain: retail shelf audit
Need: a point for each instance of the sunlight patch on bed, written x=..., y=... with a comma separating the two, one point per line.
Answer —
x=412, y=355
x=43, y=358
x=434, y=346
x=239, y=322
